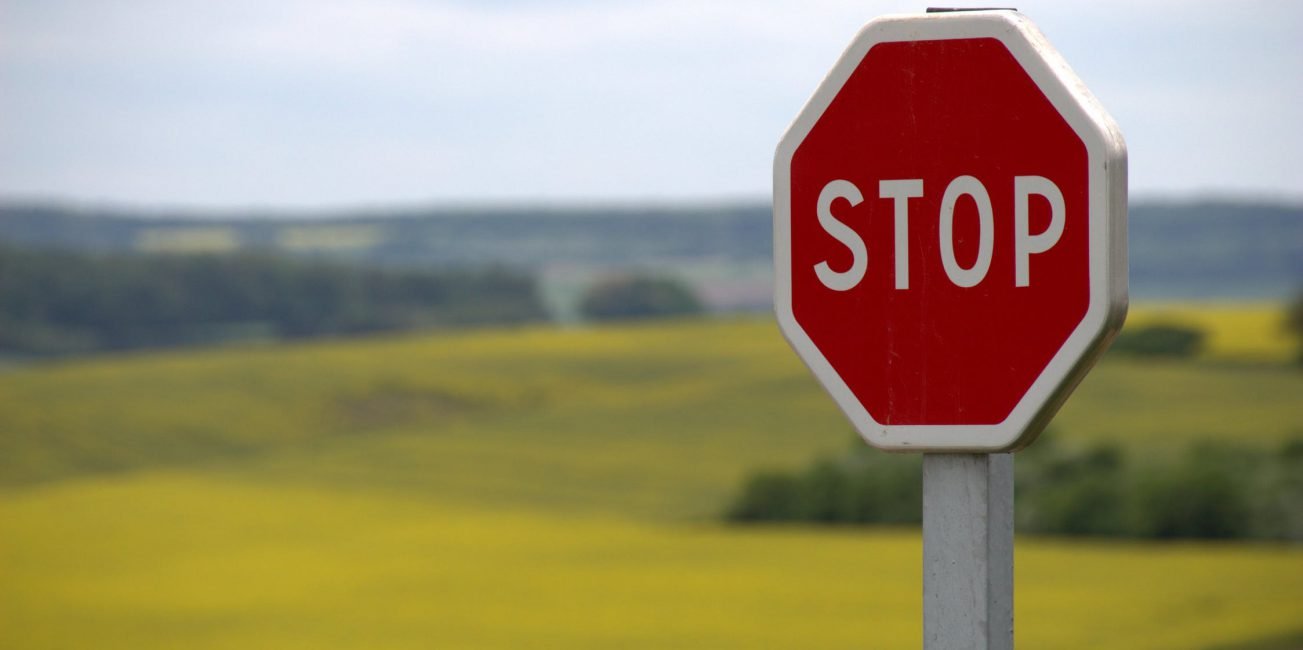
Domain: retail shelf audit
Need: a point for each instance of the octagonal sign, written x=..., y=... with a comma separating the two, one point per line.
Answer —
x=950, y=231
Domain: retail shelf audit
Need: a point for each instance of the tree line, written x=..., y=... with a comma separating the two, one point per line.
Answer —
x=1211, y=491
x=60, y=302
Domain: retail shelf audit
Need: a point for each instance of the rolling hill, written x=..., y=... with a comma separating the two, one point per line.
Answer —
x=558, y=487
x=490, y=489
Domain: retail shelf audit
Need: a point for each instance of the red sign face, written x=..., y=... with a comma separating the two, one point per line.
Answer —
x=945, y=250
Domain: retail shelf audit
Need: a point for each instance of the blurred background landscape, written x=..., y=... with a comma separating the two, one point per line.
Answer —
x=396, y=324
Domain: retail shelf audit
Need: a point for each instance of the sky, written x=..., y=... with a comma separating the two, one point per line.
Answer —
x=351, y=103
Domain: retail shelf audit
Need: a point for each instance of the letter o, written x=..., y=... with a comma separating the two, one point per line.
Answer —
x=961, y=186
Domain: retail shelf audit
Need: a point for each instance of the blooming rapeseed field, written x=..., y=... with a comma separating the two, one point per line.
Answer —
x=1237, y=331
x=554, y=488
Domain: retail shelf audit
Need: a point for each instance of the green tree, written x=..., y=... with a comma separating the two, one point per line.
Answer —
x=885, y=488
x=824, y=494
x=1294, y=323
x=1162, y=340
x=1062, y=490
x=633, y=297
x=767, y=496
x=55, y=302
x=1204, y=496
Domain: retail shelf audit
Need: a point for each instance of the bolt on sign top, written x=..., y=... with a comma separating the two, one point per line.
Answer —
x=950, y=231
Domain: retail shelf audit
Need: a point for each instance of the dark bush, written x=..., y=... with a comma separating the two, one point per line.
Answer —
x=1294, y=323
x=863, y=486
x=1213, y=491
x=824, y=494
x=1278, y=495
x=633, y=297
x=1196, y=499
x=887, y=489
x=1067, y=493
x=1171, y=341
x=767, y=496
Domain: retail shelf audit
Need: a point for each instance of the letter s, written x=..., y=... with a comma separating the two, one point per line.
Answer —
x=841, y=280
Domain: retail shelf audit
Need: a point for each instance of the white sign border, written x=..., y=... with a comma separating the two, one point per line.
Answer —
x=1107, y=163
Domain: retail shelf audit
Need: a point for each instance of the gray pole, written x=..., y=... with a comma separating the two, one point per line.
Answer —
x=968, y=551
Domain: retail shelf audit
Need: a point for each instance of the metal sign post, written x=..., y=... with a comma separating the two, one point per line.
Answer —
x=967, y=551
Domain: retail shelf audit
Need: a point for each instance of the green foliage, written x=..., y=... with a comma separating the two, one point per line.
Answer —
x=632, y=297
x=64, y=303
x=1070, y=493
x=1294, y=322
x=1196, y=499
x=885, y=488
x=1161, y=340
x=858, y=487
x=1294, y=314
x=1208, y=492
x=767, y=496
x=1276, y=494
x=824, y=494
x=1212, y=492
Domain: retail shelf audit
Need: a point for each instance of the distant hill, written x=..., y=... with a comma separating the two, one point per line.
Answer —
x=1194, y=249
x=1218, y=249
x=521, y=237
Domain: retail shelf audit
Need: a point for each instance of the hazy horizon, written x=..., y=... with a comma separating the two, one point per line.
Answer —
x=399, y=208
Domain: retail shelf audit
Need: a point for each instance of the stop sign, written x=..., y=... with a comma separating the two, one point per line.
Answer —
x=950, y=231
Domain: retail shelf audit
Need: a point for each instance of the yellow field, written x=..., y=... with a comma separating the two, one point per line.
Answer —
x=329, y=238
x=199, y=560
x=188, y=239
x=554, y=488
x=1247, y=331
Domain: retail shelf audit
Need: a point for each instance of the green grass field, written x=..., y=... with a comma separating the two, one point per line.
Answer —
x=557, y=488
